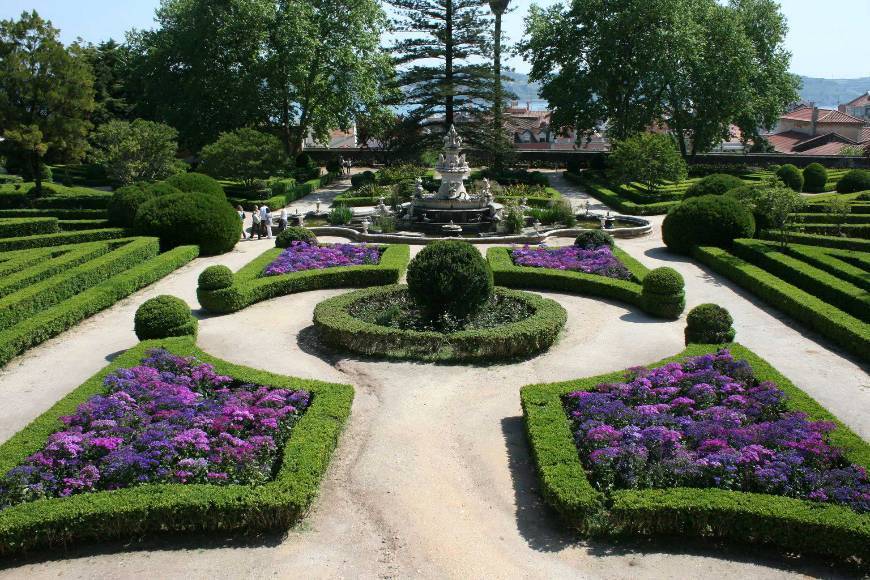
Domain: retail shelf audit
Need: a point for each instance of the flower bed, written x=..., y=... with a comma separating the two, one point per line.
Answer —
x=303, y=256
x=600, y=260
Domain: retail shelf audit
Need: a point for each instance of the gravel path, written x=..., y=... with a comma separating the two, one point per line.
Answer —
x=433, y=476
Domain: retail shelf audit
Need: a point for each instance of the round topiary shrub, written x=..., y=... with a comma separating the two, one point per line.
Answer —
x=593, y=239
x=815, y=178
x=215, y=277
x=305, y=160
x=196, y=183
x=162, y=188
x=715, y=184
x=295, y=234
x=359, y=180
x=712, y=220
x=663, y=293
x=709, y=324
x=164, y=316
x=855, y=180
x=180, y=219
x=126, y=201
x=450, y=277
x=791, y=176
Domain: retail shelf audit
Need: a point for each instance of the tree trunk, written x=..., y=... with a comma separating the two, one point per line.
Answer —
x=35, y=167
x=448, y=66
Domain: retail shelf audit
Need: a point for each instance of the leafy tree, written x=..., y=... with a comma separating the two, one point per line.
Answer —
x=109, y=65
x=649, y=158
x=839, y=209
x=852, y=150
x=46, y=93
x=777, y=203
x=137, y=151
x=245, y=154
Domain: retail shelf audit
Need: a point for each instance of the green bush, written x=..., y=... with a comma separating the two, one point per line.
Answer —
x=305, y=160
x=162, y=317
x=663, y=293
x=815, y=178
x=60, y=239
x=449, y=277
x=21, y=227
x=358, y=180
x=715, y=184
x=125, y=202
x=215, y=277
x=161, y=188
x=590, y=239
x=295, y=234
x=333, y=165
x=710, y=220
x=709, y=324
x=340, y=215
x=791, y=176
x=197, y=183
x=616, y=200
x=190, y=218
x=854, y=181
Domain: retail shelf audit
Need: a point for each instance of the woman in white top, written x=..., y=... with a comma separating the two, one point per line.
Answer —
x=268, y=222
x=255, y=224
x=282, y=220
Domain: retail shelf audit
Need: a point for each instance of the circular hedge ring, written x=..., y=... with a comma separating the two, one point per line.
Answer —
x=521, y=339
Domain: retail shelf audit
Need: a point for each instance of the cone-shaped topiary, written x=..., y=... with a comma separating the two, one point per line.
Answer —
x=215, y=277
x=815, y=178
x=593, y=239
x=713, y=220
x=450, y=278
x=709, y=324
x=190, y=218
x=164, y=316
x=295, y=234
x=663, y=293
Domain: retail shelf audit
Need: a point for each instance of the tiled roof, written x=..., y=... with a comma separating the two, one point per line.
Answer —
x=796, y=143
x=785, y=142
x=859, y=101
x=864, y=137
x=825, y=116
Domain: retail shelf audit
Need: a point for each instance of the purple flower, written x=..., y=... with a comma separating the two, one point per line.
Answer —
x=302, y=256
x=598, y=260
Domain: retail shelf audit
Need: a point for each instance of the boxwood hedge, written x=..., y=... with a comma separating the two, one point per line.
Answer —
x=20, y=227
x=792, y=524
x=159, y=508
x=616, y=201
x=63, y=238
x=250, y=286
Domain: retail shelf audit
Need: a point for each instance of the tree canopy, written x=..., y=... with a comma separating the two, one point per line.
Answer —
x=137, y=151
x=244, y=154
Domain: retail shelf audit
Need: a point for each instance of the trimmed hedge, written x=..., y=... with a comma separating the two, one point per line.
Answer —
x=855, y=180
x=294, y=234
x=61, y=239
x=843, y=264
x=709, y=324
x=837, y=242
x=250, y=286
x=861, y=231
x=22, y=227
x=710, y=220
x=34, y=266
x=164, y=316
x=792, y=524
x=159, y=508
x=52, y=321
x=61, y=214
x=815, y=178
x=197, y=183
x=181, y=219
x=845, y=330
x=715, y=184
x=215, y=277
x=791, y=176
x=663, y=293
x=520, y=339
x=616, y=201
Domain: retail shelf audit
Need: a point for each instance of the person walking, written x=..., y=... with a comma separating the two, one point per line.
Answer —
x=255, y=224
x=241, y=213
x=282, y=220
x=266, y=218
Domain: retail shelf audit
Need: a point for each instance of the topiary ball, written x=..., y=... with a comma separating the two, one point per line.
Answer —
x=815, y=178
x=709, y=324
x=855, y=180
x=663, y=281
x=126, y=201
x=591, y=239
x=182, y=219
x=663, y=293
x=450, y=277
x=197, y=183
x=714, y=184
x=215, y=277
x=712, y=220
x=162, y=188
x=791, y=176
x=295, y=234
x=164, y=316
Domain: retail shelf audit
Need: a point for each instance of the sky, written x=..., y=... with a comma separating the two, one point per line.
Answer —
x=826, y=38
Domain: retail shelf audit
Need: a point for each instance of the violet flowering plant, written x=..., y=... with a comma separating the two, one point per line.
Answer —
x=303, y=256
x=708, y=422
x=170, y=419
x=600, y=260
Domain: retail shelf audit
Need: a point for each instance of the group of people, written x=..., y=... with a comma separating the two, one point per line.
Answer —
x=261, y=222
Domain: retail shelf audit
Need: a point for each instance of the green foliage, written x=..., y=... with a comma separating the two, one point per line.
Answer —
x=21, y=227
x=791, y=176
x=196, y=183
x=559, y=212
x=340, y=215
x=155, y=509
x=618, y=202
x=190, y=218
x=451, y=278
x=649, y=158
x=125, y=202
x=709, y=324
x=775, y=207
x=60, y=239
x=514, y=219
x=358, y=180
x=709, y=220
x=815, y=178
x=590, y=239
x=715, y=184
x=295, y=234
x=137, y=151
x=109, y=62
x=855, y=180
x=393, y=174
x=164, y=316
x=245, y=155
x=215, y=277
x=663, y=293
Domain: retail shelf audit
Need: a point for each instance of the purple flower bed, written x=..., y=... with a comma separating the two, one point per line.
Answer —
x=598, y=260
x=708, y=422
x=169, y=420
x=302, y=256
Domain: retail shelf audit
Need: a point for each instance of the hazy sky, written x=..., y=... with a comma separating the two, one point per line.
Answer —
x=827, y=38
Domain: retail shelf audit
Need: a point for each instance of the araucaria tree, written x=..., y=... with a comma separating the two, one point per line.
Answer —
x=46, y=94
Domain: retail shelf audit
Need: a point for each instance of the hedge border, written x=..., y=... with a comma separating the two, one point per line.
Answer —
x=61, y=239
x=843, y=329
x=27, y=226
x=789, y=523
x=158, y=508
x=612, y=199
x=835, y=242
x=835, y=262
x=37, y=266
x=521, y=339
x=250, y=287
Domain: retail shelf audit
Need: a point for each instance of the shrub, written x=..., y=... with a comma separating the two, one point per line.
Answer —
x=161, y=188
x=663, y=293
x=196, y=183
x=815, y=178
x=709, y=324
x=715, y=184
x=304, y=160
x=126, y=201
x=709, y=220
x=295, y=234
x=162, y=317
x=46, y=190
x=593, y=239
x=340, y=215
x=855, y=180
x=245, y=155
x=358, y=180
x=190, y=218
x=791, y=176
x=136, y=151
x=450, y=277
x=334, y=166
x=215, y=277
x=649, y=158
